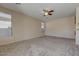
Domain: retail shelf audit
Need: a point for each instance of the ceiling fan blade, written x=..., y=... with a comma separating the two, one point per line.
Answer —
x=51, y=11
x=44, y=15
x=18, y=3
x=45, y=10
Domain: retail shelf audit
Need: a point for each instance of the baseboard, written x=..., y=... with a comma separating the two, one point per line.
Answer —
x=15, y=41
x=11, y=42
x=60, y=37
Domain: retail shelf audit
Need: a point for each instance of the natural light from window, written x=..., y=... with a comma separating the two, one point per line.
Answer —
x=5, y=24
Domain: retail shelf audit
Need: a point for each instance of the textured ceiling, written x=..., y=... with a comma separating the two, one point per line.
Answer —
x=36, y=9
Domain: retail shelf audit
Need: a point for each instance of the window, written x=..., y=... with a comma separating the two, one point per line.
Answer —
x=42, y=25
x=5, y=25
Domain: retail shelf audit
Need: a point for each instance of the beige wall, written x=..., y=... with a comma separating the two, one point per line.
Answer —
x=23, y=27
x=63, y=27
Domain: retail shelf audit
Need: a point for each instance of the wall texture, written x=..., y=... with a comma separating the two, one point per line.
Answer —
x=63, y=27
x=23, y=27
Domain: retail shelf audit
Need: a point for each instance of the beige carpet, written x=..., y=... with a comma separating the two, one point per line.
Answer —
x=43, y=46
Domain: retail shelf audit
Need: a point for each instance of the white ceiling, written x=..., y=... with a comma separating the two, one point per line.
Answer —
x=36, y=9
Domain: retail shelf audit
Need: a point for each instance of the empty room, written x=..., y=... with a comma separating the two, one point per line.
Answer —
x=39, y=29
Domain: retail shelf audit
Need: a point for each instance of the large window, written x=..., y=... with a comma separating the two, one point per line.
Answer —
x=5, y=25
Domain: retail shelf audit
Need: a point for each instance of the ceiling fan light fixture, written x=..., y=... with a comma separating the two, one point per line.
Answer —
x=47, y=12
x=18, y=3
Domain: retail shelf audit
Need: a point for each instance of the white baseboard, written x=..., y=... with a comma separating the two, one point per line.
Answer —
x=60, y=37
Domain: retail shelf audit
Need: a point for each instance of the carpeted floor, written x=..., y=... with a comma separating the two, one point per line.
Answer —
x=43, y=46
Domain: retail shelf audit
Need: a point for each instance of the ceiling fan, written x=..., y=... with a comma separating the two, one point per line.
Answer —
x=47, y=12
x=18, y=3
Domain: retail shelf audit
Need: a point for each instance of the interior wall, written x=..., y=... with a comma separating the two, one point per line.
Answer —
x=64, y=27
x=23, y=27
